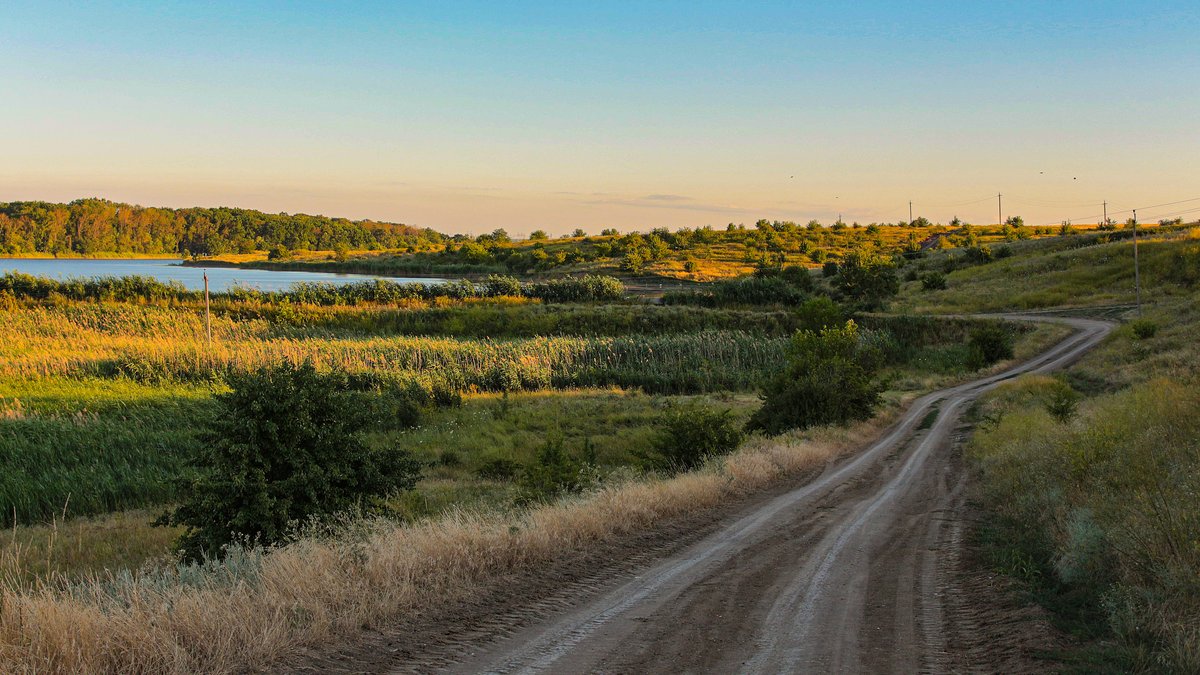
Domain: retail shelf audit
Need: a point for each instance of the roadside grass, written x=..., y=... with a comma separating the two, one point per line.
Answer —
x=1091, y=504
x=258, y=606
x=81, y=548
x=1098, y=514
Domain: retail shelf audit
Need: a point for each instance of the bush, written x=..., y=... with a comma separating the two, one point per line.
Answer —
x=1143, y=329
x=554, y=473
x=496, y=285
x=868, y=281
x=691, y=435
x=284, y=448
x=829, y=378
x=498, y=468
x=988, y=344
x=933, y=281
x=819, y=313
x=1062, y=402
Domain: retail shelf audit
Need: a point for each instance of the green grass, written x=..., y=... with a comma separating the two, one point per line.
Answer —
x=93, y=446
x=1049, y=274
x=1096, y=514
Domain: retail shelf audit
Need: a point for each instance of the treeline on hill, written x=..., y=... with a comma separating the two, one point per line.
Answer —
x=863, y=281
x=766, y=244
x=89, y=226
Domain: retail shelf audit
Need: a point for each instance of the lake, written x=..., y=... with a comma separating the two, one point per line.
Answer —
x=169, y=269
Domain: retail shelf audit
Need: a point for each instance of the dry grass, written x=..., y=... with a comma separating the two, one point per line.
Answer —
x=256, y=607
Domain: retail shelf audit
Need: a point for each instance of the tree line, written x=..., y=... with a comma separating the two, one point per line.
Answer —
x=89, y=226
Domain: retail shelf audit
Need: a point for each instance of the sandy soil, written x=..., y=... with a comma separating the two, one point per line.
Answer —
x=862, y=568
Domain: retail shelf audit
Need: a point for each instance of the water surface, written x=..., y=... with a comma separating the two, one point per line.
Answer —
x=170, y=269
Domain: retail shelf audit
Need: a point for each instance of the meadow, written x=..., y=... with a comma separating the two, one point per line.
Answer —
x=107, y=388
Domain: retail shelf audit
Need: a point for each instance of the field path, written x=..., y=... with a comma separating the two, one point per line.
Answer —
x=853, y=571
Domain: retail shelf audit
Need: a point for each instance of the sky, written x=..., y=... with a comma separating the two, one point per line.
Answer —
x=466, y=117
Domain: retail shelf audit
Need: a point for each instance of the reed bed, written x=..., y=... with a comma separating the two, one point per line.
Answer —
x=154, y=344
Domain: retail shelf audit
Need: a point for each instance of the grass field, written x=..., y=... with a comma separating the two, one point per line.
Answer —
x=103, y=402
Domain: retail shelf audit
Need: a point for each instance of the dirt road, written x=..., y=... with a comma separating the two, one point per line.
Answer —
x=849, y=572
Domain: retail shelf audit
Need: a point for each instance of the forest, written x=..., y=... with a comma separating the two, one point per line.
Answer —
x=94, y=226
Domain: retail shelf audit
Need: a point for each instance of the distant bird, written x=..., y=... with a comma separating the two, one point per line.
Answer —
x=791, y=176
x=1074, y=179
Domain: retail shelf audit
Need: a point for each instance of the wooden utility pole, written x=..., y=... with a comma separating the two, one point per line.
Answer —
x=999, y=209
x=1137, y=275
x=910, y=220
x=207, y=314
x=1106, y=212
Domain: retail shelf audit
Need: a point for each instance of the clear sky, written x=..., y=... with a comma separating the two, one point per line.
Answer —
x=471, y=116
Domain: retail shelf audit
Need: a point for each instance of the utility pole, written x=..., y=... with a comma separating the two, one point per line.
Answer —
x=1137, y=275
x=1106, y=212
x=999, y=208
x=207, y=316
x=910, y=220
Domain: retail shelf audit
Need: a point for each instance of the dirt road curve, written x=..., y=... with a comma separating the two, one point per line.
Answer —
x=842, y=574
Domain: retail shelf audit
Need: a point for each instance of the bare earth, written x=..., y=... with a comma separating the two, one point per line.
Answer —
x=860, y=569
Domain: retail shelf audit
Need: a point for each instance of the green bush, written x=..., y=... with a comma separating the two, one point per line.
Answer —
x=554, y=473
x=1143, y=329
x=829, y=378
x=990, y=343
x=867, y=281
x=498, y=468
x=1062, y=402
x=689, y=436
x=933, y=281
x=284, y=448
x=819, y=313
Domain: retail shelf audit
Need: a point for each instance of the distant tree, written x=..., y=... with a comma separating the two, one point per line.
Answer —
x=866, y=280
x=341, y=252
x=538, y=235
x=578, y=233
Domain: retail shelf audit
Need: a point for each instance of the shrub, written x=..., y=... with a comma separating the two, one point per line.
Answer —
x=990, y=343
x=1143, y=329
x=933, y=281
x=554, y=473
x=868, y=281
x=498, y=468
x=828, y=378
x=691, y=435
x=279, y=252
x=819, y=313
x=284, y=448
x=1062, y=402
x=496, y=285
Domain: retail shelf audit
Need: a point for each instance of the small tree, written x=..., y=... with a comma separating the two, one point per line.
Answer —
x=829, y=378
x=691, y=435
x=538, y=235
x=284, y=448
x=868, y=281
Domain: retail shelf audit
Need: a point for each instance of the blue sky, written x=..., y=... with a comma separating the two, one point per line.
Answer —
x=469, y=116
